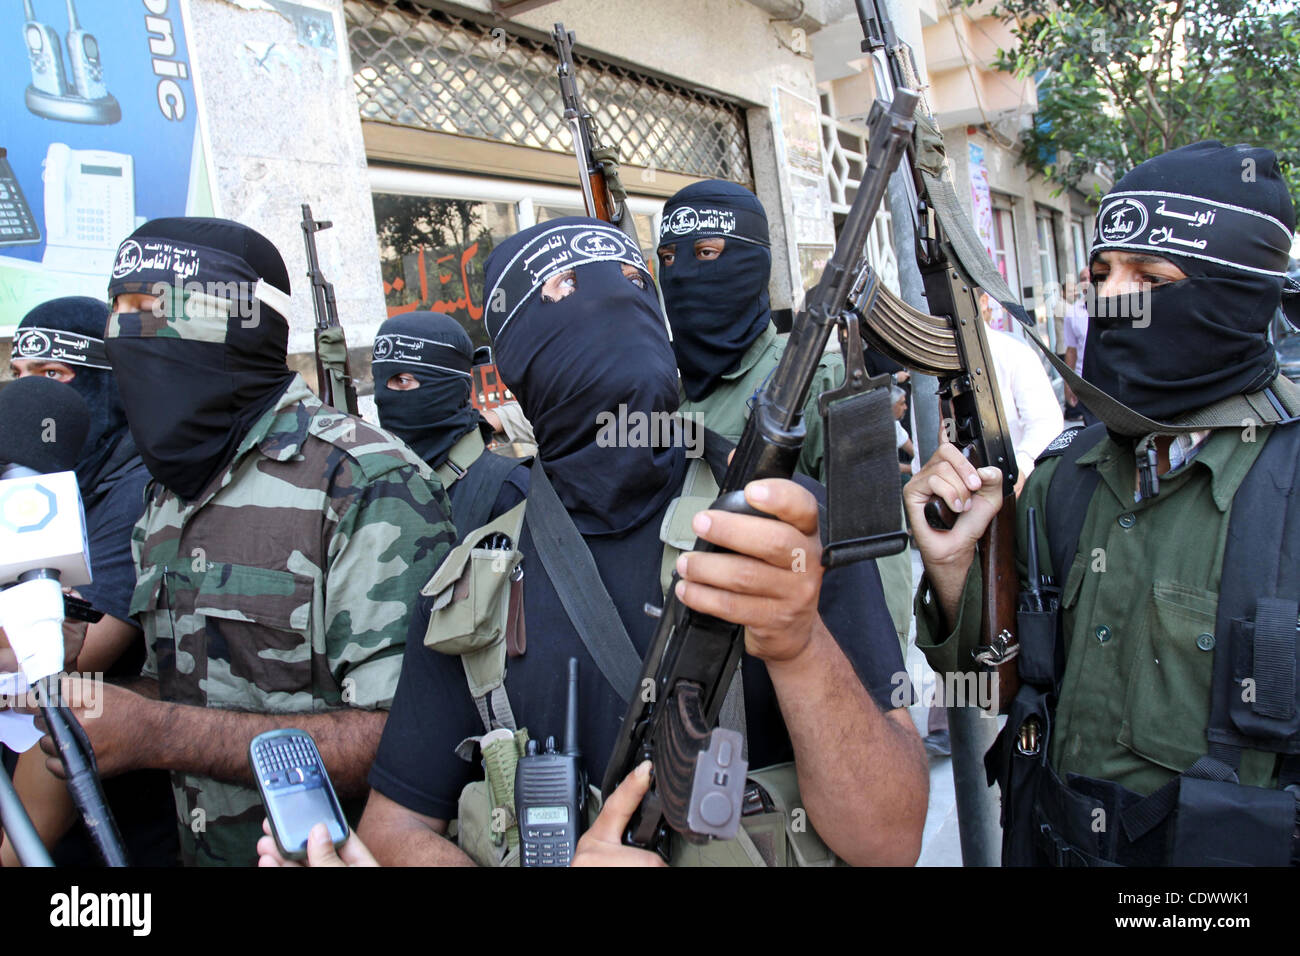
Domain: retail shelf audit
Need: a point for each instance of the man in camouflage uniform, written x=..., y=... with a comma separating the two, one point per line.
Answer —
x=282, y=544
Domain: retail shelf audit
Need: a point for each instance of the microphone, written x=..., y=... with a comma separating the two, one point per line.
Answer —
x=43, y=547
x=43, y=426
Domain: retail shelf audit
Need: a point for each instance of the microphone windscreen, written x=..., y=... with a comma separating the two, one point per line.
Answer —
x=43, y=424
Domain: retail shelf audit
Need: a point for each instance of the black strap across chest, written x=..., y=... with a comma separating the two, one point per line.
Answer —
x=479, y=488
x=573, y=572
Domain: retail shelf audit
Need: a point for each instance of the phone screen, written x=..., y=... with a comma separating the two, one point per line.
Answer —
x=296, y=813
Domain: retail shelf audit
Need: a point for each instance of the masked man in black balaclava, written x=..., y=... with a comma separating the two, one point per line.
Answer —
x=580, y=340
x=714, y=264
x=421, y=363
x=64, y=339
x=280, y=547
x=1145, y=702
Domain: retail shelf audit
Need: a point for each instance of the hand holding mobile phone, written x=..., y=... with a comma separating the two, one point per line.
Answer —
x=296, y=791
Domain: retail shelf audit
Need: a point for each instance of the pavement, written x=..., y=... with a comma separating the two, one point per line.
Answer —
x=940, y=843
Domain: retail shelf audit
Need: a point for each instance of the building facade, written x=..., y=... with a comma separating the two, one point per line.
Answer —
x=428, y=131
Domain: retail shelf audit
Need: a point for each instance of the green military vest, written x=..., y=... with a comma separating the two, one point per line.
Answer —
x=726, y=409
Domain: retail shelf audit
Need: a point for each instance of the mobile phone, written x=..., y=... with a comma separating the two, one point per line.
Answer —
x=17, y=225
x=296, y=791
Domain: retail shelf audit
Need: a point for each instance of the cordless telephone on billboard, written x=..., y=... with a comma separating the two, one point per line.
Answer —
x=73, y=92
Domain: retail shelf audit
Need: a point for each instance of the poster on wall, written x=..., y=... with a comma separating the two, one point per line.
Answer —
x=806, y=195
x=981, y=200
x=100, y=134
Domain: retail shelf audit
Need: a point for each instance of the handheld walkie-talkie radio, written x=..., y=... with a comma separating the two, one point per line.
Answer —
x=551, y=793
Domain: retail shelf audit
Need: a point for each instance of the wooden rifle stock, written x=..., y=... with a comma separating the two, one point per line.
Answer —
x=998, y=593
x=604, y=203
x=997, y=556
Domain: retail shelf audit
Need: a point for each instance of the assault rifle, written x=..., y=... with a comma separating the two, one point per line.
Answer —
x=333, y=375
x=699, y=773
x=950, y=343
x=603, y=195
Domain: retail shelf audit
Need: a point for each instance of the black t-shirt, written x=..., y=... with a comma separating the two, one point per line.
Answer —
x=432, y=712
x=112, y=509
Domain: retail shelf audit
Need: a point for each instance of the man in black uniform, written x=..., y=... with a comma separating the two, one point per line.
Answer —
x=580, y=334
x=63, y=339
x=421, y=363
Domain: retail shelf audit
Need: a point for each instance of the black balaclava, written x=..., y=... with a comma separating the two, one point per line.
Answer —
x=716, y=308
x=71, y=330
x=208, y=360
x=434, y=348
x=1223, y=216
x=601, y=351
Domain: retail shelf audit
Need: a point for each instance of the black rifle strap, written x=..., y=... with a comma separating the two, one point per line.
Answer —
x=862, y=479
x=717, y=450
x=482, y=480
x=1256, y=620
x=1068, y=495
x=568, y=563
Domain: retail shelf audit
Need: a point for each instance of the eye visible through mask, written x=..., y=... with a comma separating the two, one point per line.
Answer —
x=564, y=284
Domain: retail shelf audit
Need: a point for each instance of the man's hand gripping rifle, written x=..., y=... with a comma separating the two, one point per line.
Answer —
x=699, y=774
x=948, y=341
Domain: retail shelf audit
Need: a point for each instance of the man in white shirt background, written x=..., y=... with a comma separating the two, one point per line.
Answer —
x=1076, y=335
x=1033, y=413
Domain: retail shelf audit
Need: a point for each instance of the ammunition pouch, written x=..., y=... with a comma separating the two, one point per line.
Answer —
x=471, y=614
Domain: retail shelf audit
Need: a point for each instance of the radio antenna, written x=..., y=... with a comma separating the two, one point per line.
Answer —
x=571, y=714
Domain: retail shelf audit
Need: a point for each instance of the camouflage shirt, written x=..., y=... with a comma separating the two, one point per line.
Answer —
x=284, y=588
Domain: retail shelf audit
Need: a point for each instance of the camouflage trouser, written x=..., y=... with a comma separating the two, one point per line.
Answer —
x=219, y=823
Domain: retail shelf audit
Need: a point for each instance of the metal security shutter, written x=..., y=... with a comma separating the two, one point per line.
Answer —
x=435, y=71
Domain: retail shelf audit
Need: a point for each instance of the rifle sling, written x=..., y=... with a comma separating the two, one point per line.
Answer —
x=568, y=563
x=862, y=479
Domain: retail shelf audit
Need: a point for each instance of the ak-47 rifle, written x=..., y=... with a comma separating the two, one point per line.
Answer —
x=699, y=774
x=603, y=194
x=333, y=374
x=950, y=343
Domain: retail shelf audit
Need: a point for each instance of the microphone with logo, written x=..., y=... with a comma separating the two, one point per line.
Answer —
x=43, y=425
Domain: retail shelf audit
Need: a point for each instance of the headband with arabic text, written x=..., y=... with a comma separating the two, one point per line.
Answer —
x=153, y=265
x=551, y=252
x=701, y=219
x=1175, y=224
x=56, y=345
x=397, y=349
